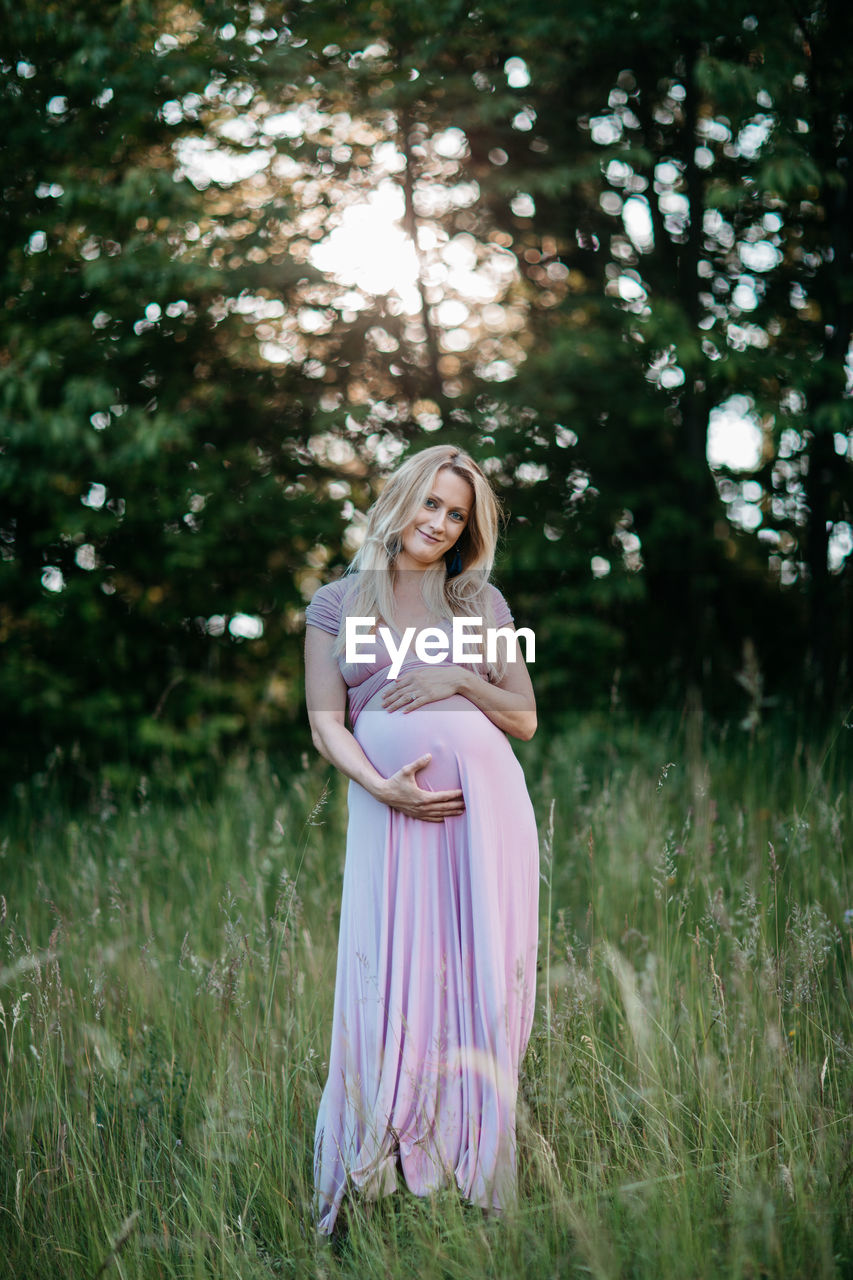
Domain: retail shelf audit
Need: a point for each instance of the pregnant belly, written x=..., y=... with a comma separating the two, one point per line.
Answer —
x=449, y=729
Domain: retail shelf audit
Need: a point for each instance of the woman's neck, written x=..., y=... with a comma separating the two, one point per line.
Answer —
x=410, y=607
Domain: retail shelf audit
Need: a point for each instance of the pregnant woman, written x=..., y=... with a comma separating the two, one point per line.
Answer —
x=437, y=949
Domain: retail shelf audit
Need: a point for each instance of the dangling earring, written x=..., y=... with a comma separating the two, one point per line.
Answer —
x=453, y=560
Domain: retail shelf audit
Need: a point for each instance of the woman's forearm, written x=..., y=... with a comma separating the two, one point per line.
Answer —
x=337, y=745
x=401, y=791
x=509, y=710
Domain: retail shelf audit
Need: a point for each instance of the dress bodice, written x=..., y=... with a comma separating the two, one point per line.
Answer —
x=331, y=604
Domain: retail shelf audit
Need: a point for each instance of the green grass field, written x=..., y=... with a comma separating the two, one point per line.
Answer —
x=166, y=980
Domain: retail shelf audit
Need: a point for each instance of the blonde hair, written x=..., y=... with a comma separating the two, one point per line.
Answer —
x=467, y=592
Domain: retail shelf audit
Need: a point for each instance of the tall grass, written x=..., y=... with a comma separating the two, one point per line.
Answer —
x=166, y=979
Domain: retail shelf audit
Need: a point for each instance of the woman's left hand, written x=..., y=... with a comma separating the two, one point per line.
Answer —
x=417, y=687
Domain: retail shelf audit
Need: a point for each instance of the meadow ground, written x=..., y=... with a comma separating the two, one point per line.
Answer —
x=166, y=977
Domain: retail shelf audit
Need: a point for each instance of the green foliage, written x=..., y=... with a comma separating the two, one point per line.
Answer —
x=633, y=338
x=620, y=107
x=191, y=411
x=155, y=471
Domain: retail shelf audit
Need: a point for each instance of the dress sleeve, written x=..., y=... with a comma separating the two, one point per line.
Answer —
x=325, y=608
x=503, y=616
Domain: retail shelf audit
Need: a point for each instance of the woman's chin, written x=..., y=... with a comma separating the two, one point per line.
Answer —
x=420, y=560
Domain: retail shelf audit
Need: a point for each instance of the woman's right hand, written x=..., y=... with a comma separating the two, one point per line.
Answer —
x=401, y=792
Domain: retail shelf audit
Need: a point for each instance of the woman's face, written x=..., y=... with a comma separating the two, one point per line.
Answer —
x=436, y=525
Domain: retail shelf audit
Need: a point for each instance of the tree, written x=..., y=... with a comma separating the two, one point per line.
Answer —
x=630, y=167
x=659, y=181
x=620, y=230
x=155, y=471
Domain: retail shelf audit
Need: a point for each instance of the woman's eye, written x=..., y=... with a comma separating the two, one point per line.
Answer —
x=430, y=502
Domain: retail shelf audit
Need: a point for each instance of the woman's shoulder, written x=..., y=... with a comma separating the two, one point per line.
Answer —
x=500, y=608
x=326, y=607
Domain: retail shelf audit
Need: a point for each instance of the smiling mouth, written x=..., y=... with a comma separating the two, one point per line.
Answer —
x=428, y=536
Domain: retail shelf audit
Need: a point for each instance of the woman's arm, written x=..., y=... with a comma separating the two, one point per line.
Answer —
x=325, y=696
x=511, y=705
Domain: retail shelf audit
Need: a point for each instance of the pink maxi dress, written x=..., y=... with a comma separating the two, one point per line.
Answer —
x=436, y=963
